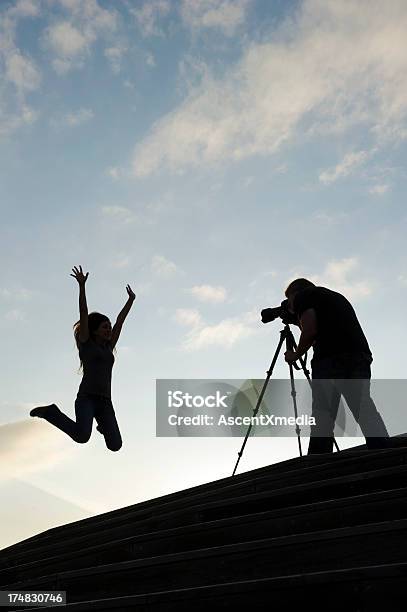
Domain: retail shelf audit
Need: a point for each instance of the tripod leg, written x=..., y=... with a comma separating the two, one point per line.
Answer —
x=260, y=398
x=294, y=396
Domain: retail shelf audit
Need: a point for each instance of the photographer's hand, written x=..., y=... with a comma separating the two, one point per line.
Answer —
x=291, y=356
x=309, y=329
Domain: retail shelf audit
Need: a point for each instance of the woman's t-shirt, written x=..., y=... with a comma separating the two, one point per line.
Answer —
x=97, y=360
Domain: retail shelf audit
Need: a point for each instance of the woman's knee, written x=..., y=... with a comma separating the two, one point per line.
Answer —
x=114, y=446
x=82, y=437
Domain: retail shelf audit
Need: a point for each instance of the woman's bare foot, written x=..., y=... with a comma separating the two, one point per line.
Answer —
x=41, y=411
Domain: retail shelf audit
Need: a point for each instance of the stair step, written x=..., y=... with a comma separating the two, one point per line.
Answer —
x=363, y=589
x=299, y=469
x=261, y=495
x=349, y=511
x=340, y=548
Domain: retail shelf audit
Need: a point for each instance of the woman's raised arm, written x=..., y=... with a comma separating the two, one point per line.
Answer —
x=83, y=307
x=117, y=327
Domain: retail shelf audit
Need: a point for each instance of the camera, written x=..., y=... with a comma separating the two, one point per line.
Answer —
x=287, y=317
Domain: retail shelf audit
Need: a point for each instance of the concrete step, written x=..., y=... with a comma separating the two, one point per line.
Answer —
x=349, y=511
x=334, y=488
x=296, y=469
x=337, y=549
x=361, y=589
x=261, y=493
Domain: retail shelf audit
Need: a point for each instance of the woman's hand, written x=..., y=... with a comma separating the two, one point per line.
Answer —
x=79, y=275
x=130, y=293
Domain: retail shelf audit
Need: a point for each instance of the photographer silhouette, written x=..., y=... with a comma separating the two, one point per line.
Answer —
x=340, y=365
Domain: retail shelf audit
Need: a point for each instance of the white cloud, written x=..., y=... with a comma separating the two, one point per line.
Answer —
x=25, y=8
x=188, y=317
x=282, y=169
x=379, y=189
x=70, y=40
x=119, y=215
x=81, y=116
x=336, y=65
x=225, y=333
x=225, y=15
x=15, y=315
x=148, y=16
x=113, y=172
x=28, y=446
x=163, y=267
x=91, y=14
x=15, y=293
x=121, y=261
x=347, y=166
x=61, y=66
x=129, y=85
x=22, y=72
x=12, y=299
x=329, y=219
x=150, y=60
x=68, y=44
x=337, y=276
x=208, y=293
x=263, y=278
x=73, y=119
x=11, y=122
x=18, y=72
x=114, y=55
x=67, y=40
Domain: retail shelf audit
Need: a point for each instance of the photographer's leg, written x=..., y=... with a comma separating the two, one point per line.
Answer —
x=325, y=403
x=357, y=394
x=355, y=387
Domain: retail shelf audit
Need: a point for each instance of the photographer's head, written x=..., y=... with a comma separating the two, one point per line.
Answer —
x=297, y=285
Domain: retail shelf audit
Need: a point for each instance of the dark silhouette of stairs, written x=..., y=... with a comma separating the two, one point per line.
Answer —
x=328, y=532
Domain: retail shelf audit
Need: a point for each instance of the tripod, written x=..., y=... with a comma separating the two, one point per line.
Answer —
x=287, y=336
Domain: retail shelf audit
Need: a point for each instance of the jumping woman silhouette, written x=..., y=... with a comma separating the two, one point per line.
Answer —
x=95, y=340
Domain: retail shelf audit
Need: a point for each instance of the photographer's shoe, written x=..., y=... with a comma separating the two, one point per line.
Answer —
x=378, y=443
x=41, y=411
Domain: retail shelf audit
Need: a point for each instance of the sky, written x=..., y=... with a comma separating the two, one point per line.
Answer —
x=206, y=152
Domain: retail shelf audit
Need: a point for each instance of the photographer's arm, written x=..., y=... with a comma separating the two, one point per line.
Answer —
x=308, y=322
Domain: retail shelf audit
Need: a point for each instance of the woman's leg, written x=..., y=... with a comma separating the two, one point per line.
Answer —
x=107, y=425
x=79, y=430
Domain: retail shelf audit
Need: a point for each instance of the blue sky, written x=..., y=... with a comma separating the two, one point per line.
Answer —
x=206, y=152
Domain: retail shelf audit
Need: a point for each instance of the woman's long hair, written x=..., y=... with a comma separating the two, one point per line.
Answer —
x=94, y=320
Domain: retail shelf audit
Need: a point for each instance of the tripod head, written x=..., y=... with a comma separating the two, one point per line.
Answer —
x=290, y=344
